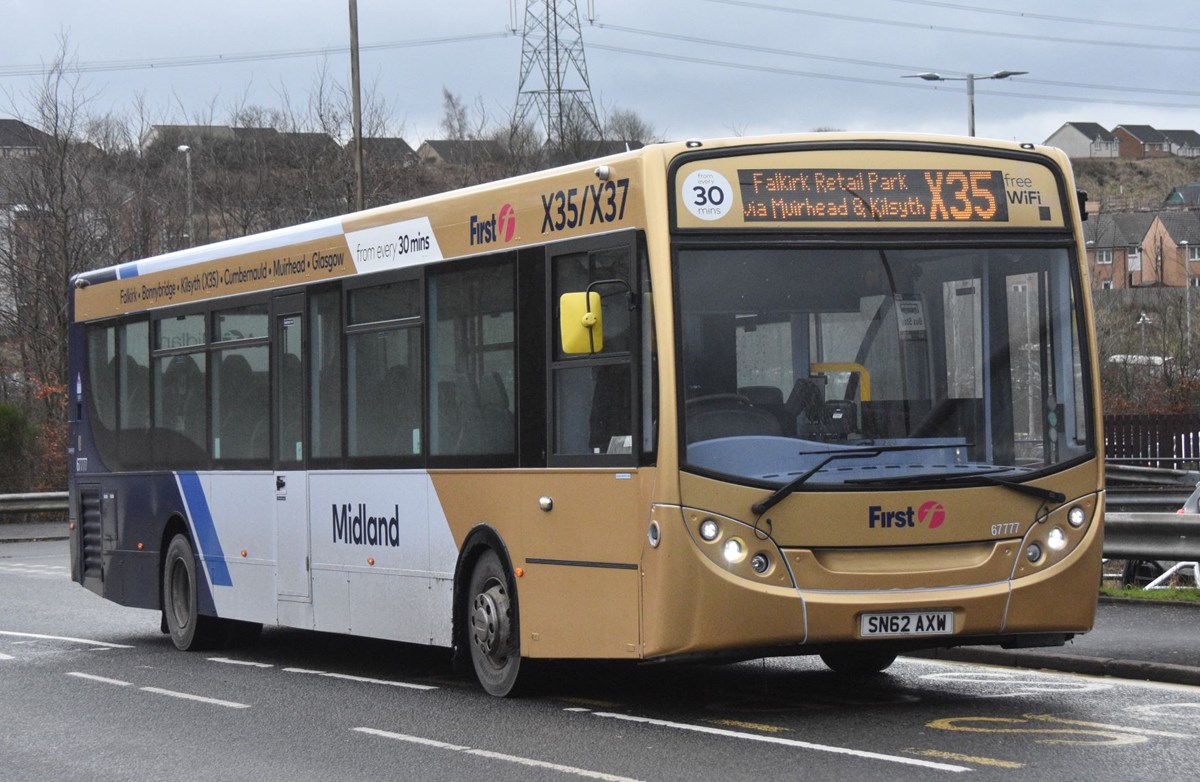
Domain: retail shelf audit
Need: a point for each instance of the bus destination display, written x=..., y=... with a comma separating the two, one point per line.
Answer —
x=907, y=195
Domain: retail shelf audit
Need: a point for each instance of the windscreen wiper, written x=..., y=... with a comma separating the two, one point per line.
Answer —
x=984, y=476
x=759, y=508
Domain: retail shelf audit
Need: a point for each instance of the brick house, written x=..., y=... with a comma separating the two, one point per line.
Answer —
x=1115, y=249
x=1141, y=141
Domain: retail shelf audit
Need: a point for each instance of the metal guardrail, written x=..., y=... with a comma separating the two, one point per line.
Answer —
x=41, y=502
x=1158, y=536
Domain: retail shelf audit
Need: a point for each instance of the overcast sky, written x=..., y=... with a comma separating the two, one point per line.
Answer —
x=691, y=68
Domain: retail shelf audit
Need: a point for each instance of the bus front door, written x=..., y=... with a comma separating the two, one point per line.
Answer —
x=293, y=563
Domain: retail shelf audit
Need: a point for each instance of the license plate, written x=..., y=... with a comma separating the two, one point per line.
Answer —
x=916, y=623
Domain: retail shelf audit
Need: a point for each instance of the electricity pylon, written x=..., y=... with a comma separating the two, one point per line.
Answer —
x=554, y=77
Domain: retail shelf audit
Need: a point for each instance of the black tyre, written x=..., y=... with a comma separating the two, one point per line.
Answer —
x=859, y=662
x=188, y=629
x=1140, y=572
x=493, y=633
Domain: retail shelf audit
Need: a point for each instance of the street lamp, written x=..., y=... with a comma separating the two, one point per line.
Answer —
x=1187, y=302
x=970, y=80
x=187, y=157
x=1144, y=321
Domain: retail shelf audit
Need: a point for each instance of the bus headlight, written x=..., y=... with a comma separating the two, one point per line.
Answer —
x=709, y=530
x=760, y=563
x=1057, y=539
x=1033, y=553
x=734, y=550
x=1076, y=517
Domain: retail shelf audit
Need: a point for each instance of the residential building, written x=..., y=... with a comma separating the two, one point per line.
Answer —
x=1084, y=140
x=1173, y=241
x=1115, y=250
x=1183, y=143
x=459, y=152
x=18, y=139
x=391, y=150
x=1141, y=141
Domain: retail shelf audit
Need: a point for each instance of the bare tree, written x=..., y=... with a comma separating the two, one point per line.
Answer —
x=62, y=217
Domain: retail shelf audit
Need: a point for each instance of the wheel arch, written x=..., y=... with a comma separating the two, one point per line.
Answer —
x=480, y=539
x=175, y=526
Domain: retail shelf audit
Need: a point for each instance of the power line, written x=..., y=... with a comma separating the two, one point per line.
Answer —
x=100, y=66
x=862, y=80
x=1051, y=18
x=872, y=63
x=962, y=30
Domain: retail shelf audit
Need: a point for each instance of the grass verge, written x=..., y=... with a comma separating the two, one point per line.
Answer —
x=1181, y=595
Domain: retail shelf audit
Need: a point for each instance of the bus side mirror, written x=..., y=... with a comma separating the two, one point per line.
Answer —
x=580, y=323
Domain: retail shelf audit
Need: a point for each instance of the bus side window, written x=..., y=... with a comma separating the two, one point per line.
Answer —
x=472, y=360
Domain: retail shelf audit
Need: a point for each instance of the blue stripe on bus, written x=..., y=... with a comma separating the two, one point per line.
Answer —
x=206, y=531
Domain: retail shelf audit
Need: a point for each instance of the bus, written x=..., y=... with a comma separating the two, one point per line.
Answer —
x=824, y=394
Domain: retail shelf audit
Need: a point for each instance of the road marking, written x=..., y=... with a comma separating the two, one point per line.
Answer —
x=94, y=678
x=937, y=753
x=200, y=698
x=751, y=726
x=4, y=656
x=1022, y=683
x=580, y=772
x=1103, y=726
x=158, y=691
x=784, y=742
x=65, y=638
x=362, y=679
x=1084, y=733
x=1158, y=711
x=591, y=702
x=228, y=661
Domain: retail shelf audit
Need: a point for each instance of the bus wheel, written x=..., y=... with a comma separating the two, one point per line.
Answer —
x=492, y=627
x=189, y=630
x=859, y=662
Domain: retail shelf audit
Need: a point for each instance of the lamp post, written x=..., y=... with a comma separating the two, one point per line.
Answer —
x=1144, y=321
x=1187, y=303
x=970, y=79
x=187, y=158
x=356, y=103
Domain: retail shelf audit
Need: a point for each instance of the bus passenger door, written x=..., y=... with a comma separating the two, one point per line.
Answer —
x=292, y=546
x=584, y=545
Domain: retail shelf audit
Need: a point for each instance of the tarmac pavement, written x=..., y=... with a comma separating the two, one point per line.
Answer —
x=1132, y=639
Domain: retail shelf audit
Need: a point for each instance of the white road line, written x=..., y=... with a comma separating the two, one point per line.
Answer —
x=229, y=661
x=362, y=679
x=733, y=734
x=581, y=772
x=65, y=638
x=189, y=697
x=94, y=678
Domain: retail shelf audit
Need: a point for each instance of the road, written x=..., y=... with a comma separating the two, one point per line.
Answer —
x=89, y=690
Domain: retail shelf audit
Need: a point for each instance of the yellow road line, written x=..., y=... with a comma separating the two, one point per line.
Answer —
x=936, y=753
x=750, y=726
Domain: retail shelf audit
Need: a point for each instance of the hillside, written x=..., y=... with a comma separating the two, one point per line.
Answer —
x=1118, y=184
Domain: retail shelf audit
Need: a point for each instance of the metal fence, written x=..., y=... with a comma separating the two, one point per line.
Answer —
x=1166, y=441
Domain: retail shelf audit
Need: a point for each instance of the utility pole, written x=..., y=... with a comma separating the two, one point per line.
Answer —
x=355, y=89
x=554, y=79
x=187, y=158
